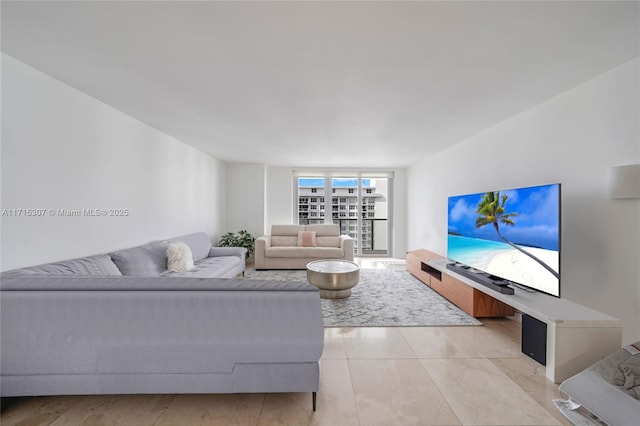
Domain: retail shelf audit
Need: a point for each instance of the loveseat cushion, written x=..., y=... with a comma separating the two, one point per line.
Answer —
x=328, y=241
x=286, y=230
x=324, y=230
x=149, y=260
x=314, y=252
x=100, y=265
x=284, y=241
x=198, y=242
x=327, y=235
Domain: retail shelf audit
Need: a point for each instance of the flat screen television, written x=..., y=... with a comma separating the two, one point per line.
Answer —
x=512, y=234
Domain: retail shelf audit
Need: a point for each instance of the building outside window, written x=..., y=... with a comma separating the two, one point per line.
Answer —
x=347, y=196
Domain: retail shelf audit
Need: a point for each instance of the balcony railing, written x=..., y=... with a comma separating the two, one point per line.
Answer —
x=374, y=233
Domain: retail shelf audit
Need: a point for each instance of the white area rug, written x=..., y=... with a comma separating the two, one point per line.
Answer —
x=382, y=298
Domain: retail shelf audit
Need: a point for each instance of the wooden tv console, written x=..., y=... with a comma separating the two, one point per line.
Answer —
x=576, y=336
x=474, y=302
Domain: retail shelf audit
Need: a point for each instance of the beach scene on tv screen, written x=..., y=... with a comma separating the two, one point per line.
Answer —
x=513, y=234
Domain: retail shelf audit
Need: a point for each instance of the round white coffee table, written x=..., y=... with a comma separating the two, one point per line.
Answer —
x=334, y=278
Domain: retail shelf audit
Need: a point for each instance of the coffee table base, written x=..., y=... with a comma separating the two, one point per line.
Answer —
x=335, y=294
x=334, y=278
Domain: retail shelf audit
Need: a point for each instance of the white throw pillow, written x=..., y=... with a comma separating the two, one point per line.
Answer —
x=179, y=257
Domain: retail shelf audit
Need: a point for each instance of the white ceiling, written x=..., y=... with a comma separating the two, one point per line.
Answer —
x=322, y=84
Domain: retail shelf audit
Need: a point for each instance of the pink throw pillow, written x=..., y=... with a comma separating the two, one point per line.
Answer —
x=307, y=239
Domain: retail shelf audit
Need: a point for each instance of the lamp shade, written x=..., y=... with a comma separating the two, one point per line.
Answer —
x=624, y=181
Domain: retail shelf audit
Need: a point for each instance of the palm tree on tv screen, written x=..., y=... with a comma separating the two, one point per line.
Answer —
x=491, y=210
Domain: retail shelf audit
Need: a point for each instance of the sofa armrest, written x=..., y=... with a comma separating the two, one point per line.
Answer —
x=240, y=252
x=264, y=241
x=346, y=244
x=262, y=244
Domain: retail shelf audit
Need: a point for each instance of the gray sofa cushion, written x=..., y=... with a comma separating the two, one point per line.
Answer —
x=100, y=265
x=198, y=242
x=209, y=267
x=149, y=260
x=163, y=284
x=192, y=326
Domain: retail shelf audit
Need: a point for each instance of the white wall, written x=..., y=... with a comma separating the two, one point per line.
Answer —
x=62, y=149
x=572, y=139
x=279, y=206
x=279, y=197
x=400, y=206
x=245, y=201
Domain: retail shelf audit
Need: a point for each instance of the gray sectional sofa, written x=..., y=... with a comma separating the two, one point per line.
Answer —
x=149, y=260
x=120, y=323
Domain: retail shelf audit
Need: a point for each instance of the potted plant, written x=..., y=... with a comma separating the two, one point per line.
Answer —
x=241, y=239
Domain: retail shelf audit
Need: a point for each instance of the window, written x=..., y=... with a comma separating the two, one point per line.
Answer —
x=360, y=203
x=305, y=187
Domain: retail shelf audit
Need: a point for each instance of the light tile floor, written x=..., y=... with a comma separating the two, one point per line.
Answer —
x=369, y=376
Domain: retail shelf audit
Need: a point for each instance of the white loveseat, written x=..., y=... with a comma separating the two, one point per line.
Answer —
x=280, y=250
